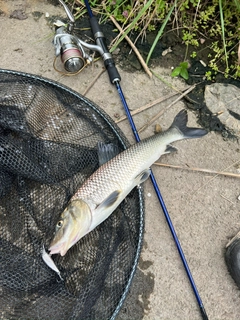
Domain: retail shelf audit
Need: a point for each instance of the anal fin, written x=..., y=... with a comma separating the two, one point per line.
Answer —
x=170, y=149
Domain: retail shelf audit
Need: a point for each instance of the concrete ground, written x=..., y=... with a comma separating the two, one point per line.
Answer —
x=204, y=208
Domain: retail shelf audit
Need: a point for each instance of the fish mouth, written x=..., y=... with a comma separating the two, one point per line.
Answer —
x=58, y=248
x=62, y=247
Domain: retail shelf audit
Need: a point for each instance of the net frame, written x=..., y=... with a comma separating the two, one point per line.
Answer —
x=32, y=80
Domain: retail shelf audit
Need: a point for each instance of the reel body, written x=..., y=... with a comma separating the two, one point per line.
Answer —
x=70, y=50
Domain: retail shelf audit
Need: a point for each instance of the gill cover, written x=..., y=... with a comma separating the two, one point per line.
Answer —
x=74, y=223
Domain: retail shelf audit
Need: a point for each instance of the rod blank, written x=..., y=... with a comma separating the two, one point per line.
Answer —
x=155, y=185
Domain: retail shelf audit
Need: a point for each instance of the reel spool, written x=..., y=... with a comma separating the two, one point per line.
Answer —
x=70, y=51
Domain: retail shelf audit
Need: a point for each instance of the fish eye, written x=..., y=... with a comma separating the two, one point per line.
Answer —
x=59, y=224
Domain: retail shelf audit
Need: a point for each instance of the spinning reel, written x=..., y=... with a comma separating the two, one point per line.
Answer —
x=72, y=51
x=69, y=47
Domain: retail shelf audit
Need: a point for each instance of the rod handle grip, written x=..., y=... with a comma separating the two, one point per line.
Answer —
x=113, y=73
x=94, y=25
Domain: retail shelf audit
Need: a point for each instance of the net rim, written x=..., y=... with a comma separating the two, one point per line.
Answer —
x=125, y=143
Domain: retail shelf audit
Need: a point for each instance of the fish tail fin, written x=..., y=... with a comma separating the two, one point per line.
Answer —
x=180, y=123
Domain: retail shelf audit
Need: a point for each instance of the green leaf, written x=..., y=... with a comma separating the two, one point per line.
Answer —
x=160, y=32
x=184, y=73
x=133, y=23
x=176, y=72
x=184, y=65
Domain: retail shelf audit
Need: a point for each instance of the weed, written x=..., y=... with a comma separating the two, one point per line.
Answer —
x=181, y=70
x=193, y=54
x=194, y=20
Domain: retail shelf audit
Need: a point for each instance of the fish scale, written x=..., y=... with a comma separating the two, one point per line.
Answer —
x=106, y=188
x=121, y=171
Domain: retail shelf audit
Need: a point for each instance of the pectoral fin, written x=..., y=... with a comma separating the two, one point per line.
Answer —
x=143, y=176
x=109, y=201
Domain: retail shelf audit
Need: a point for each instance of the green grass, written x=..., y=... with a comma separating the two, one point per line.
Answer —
x=216, y=21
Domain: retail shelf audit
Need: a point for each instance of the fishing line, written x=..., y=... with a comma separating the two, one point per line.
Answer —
x=115, y=79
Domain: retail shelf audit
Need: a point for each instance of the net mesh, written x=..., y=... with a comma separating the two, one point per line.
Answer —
x=48, y=147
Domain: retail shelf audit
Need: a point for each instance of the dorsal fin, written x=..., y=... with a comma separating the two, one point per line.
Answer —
x=106, y=152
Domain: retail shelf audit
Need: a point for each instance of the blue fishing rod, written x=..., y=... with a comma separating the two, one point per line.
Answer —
x=115, y=79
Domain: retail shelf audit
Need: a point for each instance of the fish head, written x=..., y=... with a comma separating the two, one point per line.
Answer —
x=74, y=223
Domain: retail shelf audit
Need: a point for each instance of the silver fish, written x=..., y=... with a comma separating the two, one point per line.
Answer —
x=105, y=189
x=49, y=262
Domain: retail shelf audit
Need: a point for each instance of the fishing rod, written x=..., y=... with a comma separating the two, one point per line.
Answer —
x=115, y=79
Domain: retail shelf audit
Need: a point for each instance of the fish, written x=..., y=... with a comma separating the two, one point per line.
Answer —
x=106, y=188
x=49, y=262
